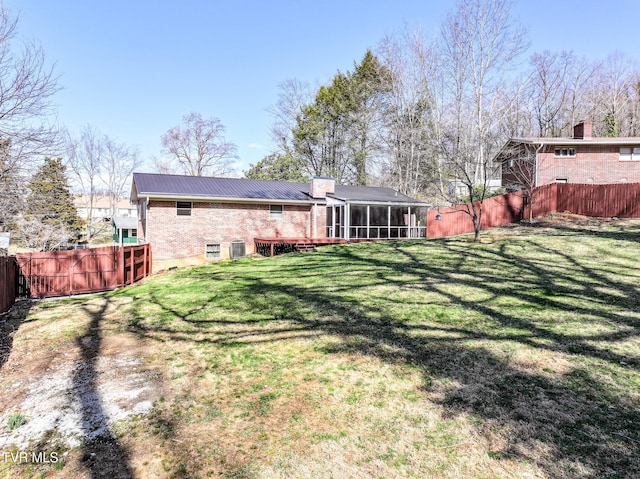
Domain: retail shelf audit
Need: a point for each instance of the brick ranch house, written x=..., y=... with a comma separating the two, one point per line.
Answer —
x=530, y=162
x=200, y=217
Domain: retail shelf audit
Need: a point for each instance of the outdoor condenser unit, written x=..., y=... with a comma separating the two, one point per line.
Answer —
x=237, y=249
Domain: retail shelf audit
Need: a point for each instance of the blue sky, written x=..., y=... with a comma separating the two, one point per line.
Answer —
x=132, y=69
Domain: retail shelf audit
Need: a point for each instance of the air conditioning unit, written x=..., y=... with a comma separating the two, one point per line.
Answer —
x=237, y=249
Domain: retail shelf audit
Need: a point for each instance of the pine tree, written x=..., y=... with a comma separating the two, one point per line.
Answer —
x=276, y=167
x=50, y=217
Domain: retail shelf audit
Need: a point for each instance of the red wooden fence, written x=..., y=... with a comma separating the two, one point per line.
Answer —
x=8, y=282
x=62, y=273
x=600, y=201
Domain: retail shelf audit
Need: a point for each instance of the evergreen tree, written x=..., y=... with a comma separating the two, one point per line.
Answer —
x=335, y=135
x=277, y=167
x=50, y=217
x=611, y=125
x=369, y=82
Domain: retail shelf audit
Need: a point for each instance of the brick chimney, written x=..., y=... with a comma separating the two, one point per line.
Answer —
x=320, y=186
x=583, y=130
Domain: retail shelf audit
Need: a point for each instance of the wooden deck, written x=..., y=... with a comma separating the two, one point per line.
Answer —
x=275, y=246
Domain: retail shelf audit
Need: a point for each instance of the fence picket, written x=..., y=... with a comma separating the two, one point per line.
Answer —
x=64, y=273
x=600, y=201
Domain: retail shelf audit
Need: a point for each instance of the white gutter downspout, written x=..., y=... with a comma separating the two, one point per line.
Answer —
x=147, y=233
x=347, y=221
x=314, y=224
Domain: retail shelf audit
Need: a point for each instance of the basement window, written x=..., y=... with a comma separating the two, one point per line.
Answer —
x=183, y=208
x=565, y=152
x=629, y=154
x=276, y=211
x=212, y=251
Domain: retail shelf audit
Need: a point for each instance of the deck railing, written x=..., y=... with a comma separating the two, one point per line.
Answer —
x=387, y=232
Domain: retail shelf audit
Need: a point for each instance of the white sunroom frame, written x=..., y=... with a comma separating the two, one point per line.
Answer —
x=345, y=226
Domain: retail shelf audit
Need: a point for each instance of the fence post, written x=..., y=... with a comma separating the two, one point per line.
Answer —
x=144, y=265
x=133, y=264
x=121, y=278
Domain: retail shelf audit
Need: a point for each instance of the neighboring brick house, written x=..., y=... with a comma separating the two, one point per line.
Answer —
x=200, y=217
x=529, y=162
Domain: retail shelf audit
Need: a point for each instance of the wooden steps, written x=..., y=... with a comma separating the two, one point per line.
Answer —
x=301, y=247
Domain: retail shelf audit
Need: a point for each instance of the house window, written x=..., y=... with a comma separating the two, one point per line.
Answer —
x=134, y=233
x=183, y=208
x=276, y=211
x=565, y=152
x=629, y=154
x=212, y=250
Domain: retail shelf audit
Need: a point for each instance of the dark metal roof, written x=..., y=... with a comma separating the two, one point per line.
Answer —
x=175, y=186
x=150, y=184
x=370, y=194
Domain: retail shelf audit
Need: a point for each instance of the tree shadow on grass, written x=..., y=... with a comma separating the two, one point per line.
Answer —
x=103, y=455
x=576, y=422
x=9, y=324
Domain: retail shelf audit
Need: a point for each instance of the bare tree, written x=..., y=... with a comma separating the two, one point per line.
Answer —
x=293, y=95
x=200, y=147
x=518, y=162
x=40, y=236
x=612, y=95
x=480, y=45
x=550, y=90
x=100, y=166
x=634, y=106
x=86, y=157
x=410, y=106
x=119, y=162
x=13, y=189
x=27, y=88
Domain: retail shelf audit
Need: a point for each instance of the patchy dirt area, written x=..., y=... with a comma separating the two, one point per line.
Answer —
x=73, y=385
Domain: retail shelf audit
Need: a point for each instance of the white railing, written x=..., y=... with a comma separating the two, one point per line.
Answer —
x=381, y=232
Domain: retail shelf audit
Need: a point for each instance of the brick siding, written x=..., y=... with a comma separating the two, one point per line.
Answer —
x=599, y=164
x=175, y=237
x=595, y=164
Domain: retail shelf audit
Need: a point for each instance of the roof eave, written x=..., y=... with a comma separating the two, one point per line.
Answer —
x=576, y=141
x=225, y=199
x=385, y=203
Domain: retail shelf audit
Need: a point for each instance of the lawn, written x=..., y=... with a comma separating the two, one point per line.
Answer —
x=518, y=357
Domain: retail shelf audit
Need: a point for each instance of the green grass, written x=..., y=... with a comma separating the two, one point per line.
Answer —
x=15, y=421
x=515, y=357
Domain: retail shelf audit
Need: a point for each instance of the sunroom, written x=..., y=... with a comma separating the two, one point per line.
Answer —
x=355, y=220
